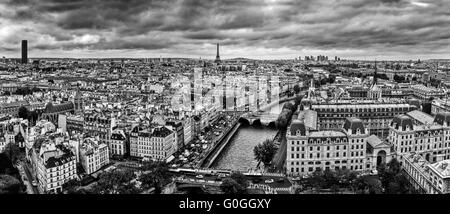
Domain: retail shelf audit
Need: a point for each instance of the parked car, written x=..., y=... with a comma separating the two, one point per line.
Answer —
x=34, y=183
x=269, y=181
x=199, y=176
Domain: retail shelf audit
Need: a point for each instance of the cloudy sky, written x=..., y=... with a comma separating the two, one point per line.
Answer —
x=259, y=29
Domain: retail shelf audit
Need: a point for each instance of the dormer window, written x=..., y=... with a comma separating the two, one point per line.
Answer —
x=298, y=132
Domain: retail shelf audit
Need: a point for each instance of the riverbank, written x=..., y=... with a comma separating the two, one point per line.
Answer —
x=223, y=143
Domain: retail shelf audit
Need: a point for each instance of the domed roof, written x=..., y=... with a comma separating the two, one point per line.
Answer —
x=402, y=121
x=297, y=125
x=442, y=117
x=354, y=124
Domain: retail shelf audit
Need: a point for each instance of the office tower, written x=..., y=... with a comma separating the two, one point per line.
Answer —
x=24, y=51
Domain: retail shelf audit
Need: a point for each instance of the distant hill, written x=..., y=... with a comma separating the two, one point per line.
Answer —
x=240, y=59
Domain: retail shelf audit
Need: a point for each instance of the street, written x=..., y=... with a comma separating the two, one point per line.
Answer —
x=24, y=170
x=269, y=180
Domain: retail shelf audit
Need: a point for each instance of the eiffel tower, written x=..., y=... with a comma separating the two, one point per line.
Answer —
x=217, y=56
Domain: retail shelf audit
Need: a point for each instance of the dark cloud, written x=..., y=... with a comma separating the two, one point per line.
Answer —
x=371, y=26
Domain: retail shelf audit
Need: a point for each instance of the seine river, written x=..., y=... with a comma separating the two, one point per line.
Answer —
x=239, y=153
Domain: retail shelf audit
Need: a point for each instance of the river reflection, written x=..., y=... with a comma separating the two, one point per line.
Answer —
x=239, y=153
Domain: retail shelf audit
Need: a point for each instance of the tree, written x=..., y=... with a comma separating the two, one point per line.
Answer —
x=155, y=174
x=237, y=183
x=375, y=187
x=298, y=100
x=330, y=179
x=335, y=189
x=316, y=179
x=394, y=166
x=71, y=186
x=19, y=138
x=331, y=79
x=6, y=166
x=265, y=151
x=393, y=180
x=23, y=112
x=116, y=182
x=282, y=120
x=10, y=185
x=240, y=179
x=296, y=89
x=12, y=151
x=360, y=185
x=230, y=186
x=288, y=106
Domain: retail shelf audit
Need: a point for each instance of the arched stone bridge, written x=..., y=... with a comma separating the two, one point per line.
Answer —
x=259, y=118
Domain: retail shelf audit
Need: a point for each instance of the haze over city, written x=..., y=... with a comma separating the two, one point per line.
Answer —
x=270, y=29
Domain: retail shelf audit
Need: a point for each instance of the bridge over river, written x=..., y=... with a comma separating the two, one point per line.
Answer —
x=267, y=115
x=235, y=149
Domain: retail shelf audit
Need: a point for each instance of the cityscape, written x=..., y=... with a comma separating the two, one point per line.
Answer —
x=132, y=100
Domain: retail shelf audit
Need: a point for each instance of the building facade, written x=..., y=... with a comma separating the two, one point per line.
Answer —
x=118, y=143
x=93, y=155
x=98, y=124
x=156, y=143
x=55, y=165
x=424, y=176
x=177, y=127
x=430, y=140
x=309, y=150
x=376, y=115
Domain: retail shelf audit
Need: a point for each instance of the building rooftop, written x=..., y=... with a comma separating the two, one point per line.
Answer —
x=329, y=133
x=421, y=116
x=309, y=118
x=442, y=168
x=297, y=125
x=355, y=125
x=374, y=141
x=402, y=121
x=442, y=117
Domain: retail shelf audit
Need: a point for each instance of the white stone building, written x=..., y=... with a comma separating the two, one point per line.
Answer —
x=157, y=143
x=309, y=150
x=55, y=164
x=93, y=155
